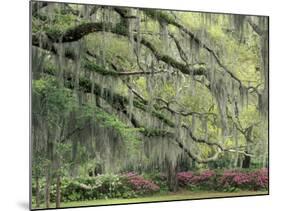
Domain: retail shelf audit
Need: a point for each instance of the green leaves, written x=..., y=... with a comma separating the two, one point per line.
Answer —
x=88, y=108
x=104, y=119
x=54, y=100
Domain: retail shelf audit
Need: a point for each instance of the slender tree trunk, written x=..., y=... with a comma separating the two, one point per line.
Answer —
x=236, y=156
x=172, y=176
x=265, y=156
x=58, y=191
x=49, y=172
x=235, y=160
x=247, y=159
x=47, y=188
x=37, y=192
x=240, y=162
x=58, y=166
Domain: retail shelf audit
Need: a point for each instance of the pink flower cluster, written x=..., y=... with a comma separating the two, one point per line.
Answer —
x=204, y=176
x=260, y=178
x=189, y=178
x=139, y=184
x=253, y=180
x=234, y=178
x=185, y=177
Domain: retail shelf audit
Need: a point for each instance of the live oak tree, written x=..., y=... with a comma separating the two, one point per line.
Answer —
x=145, y=89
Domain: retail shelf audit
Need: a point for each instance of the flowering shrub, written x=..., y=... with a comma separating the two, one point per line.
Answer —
x=245, y=180
x=131, y=185
x=102, y=186
x=233, y=179
x=205, y=179
x=184, y=178
x=260, y=179
x=229, y=180
x=159, y=179
x=140, y=185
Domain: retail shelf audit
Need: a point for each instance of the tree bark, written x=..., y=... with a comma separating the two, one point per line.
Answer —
x=246, y=162
x=248, y=136
x=47, y=188
x=172, y=176
x=37, y=187
x=58, y=191
x=49, y=171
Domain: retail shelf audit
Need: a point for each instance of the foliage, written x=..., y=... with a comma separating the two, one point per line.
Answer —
x=105, y=186
x=100, y=187
x=135, y=89
x=54, y=99
x=159, y=179
x=132, y=185
x=185, y=178
x=140, y=185
x=228, y=180
x=256, y=180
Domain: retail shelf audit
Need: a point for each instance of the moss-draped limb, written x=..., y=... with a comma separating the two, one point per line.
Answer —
x=78, y=32
x=120, y=102
x=164, y=17
x=91, y=66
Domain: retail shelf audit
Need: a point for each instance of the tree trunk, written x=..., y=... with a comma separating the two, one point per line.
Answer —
x=37, y=192
x=247, y=159
x=58, y=191
x=48, y=173
x=172, y=176
x=47, y=188
x=236, y=158
x=246, y=162
x=265, y=156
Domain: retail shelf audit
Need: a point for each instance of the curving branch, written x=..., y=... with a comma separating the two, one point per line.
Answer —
x=180, y=50
x=118, y=101
x=78, y=32
x=124, y=13
x=155, y=132
x=255, y=27
x=163, y=17
x=82, y=30
x=102, y=71
x=184, y=68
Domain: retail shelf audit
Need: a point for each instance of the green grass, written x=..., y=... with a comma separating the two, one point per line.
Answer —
x=182, y=195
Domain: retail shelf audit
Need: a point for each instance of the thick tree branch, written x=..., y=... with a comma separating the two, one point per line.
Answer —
x=78, y=32
x=92, y=67
x=119, y=102
x=164, y=17
x=181, y=51
x=124, y=13
x=255, y=27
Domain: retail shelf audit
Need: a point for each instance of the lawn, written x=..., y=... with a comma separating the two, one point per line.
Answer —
x=183, y=195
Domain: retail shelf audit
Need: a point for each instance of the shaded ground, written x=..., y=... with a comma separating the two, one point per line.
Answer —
x=167, y=197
